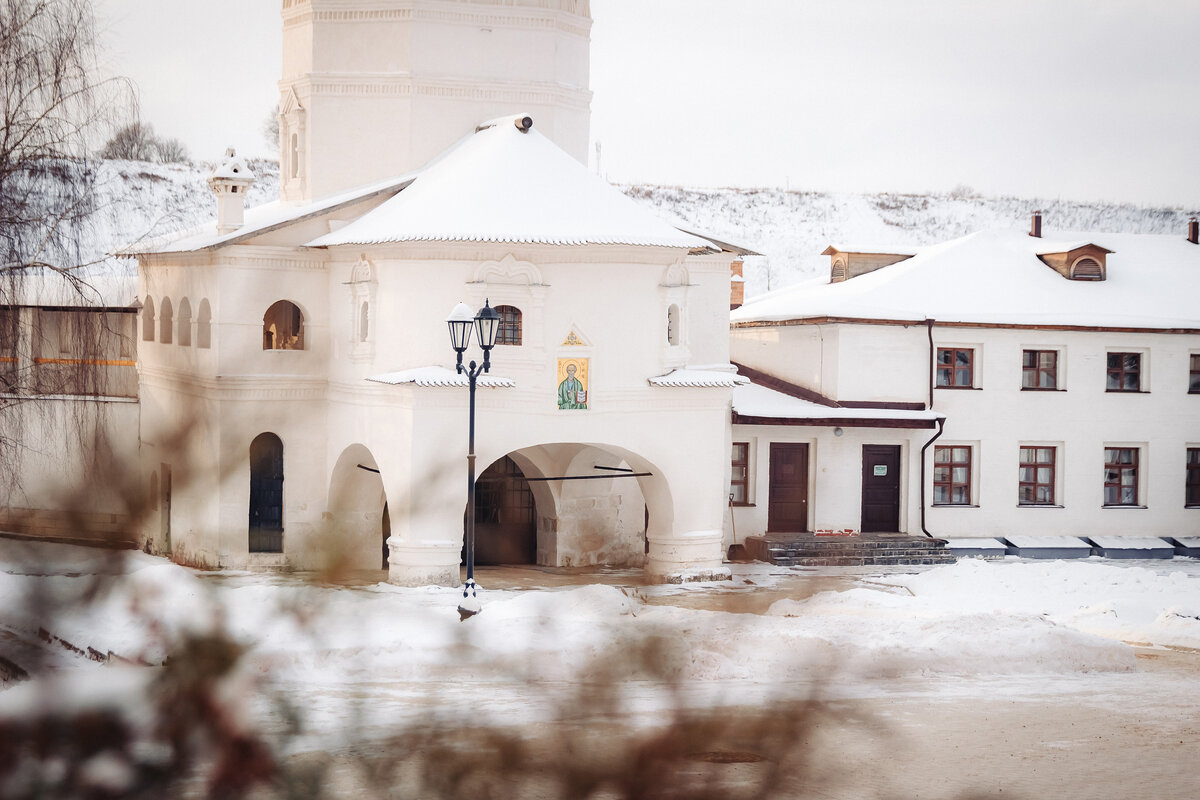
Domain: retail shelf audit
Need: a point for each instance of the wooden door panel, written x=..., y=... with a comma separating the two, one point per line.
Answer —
x=787, y=495
x=881, y=488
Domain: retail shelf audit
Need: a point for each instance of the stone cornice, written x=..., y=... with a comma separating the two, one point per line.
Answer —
x=393, y=84
x=246, y=387
x=271, y=258
x=558, y=15
x=541, y=254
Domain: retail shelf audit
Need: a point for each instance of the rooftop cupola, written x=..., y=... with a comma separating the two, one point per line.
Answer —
x=230, y=181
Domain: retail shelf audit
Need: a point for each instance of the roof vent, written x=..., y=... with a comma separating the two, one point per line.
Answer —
x=1193, y=231
x=1035, y=228
x=523, y=124
x=1087, y=269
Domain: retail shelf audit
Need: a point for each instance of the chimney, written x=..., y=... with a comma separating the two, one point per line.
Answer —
x=1035, y=229
x=229, y=182
x=737, y=285
x=1193, y=231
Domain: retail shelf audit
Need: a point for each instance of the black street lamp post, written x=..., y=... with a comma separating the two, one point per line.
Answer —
x=487, y=324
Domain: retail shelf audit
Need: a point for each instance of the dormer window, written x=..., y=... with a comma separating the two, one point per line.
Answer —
x=850, y=263
x=1077, y=261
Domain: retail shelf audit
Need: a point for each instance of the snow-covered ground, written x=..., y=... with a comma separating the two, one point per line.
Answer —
x=364, y=659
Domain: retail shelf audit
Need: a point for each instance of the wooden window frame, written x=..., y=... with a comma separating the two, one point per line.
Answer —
x=1121, y=372
x=744, y=481
x=511, y=329
x=1033, y=485
x=949, y=485
x=1121, y=468
x=1191, y=483
x=952, y=370
x=1037, y=371
x=1194, y=373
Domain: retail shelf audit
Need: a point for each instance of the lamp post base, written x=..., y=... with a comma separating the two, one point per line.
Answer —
x=469, y=605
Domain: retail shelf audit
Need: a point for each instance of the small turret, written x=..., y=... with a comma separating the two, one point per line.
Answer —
x=230, y=181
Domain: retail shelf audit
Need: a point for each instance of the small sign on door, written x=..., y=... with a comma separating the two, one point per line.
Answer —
x=880, y=470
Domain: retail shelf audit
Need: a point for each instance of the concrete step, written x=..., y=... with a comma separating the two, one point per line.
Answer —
x=808, y=551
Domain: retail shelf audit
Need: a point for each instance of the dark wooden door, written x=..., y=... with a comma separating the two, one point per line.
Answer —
x=266, y=494
x=505, y=516
x=787, y=497
x=881, y=488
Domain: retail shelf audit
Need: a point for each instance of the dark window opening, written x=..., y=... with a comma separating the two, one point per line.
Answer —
x=739, y=478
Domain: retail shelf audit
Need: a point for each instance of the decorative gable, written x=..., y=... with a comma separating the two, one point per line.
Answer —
x=1082, y=262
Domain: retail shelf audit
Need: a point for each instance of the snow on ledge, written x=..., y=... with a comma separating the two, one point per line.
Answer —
x=1055, y=542
x=1131, y=542
x=700, y=377
x=982, y=543
x=440, y=377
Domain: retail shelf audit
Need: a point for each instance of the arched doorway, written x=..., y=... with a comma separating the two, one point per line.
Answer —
x=266, y=494
x=357, y=515
x=505, y=516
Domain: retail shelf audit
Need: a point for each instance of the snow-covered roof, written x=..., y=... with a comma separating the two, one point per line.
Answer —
x=700, y=377
x=507, y=185
x=759, y=402
x=1152, y=281
x=261, y=219
x=440, y=377
x=233, y=167
x=874, y=249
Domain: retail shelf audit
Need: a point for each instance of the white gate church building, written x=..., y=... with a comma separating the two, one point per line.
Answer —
x=297, y=390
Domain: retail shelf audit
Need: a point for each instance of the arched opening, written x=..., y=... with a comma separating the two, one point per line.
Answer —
x=673, y=324
x=148, y=320
x=505, y=516
x=185, y=323
x=283, y=327
x=204, y=325
x=165, y=321
x=569, y=504
x=510, y=325
x=266, y=494
x=357, y=510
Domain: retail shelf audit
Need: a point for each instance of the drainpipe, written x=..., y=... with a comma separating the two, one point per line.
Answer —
x=941, y=426
x=941, y=423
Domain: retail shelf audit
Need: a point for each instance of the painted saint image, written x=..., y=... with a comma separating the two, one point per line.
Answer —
x=572, y=386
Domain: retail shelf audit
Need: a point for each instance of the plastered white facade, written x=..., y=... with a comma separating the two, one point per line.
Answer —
x=872, y=341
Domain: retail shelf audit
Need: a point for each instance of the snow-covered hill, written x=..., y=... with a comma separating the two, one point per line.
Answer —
x=790, y=228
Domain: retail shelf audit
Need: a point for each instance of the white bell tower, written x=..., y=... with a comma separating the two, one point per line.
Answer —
x=371, y=89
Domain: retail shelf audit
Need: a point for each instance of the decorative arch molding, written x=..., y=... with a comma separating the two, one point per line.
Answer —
x=676, y=275
x=508, y=271
x=520, y=284
x=293, y=145
x=364, y=290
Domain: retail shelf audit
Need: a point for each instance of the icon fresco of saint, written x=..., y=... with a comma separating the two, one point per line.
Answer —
x=572, y=383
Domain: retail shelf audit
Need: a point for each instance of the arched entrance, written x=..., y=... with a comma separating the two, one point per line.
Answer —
x=357, y=511
x=505, y=516
x=266, y=494
x=569, y=504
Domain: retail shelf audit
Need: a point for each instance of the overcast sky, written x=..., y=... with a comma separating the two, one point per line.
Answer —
x=1078, y=99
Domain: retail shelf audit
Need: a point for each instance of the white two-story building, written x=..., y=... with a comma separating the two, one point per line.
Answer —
x=999, y=384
